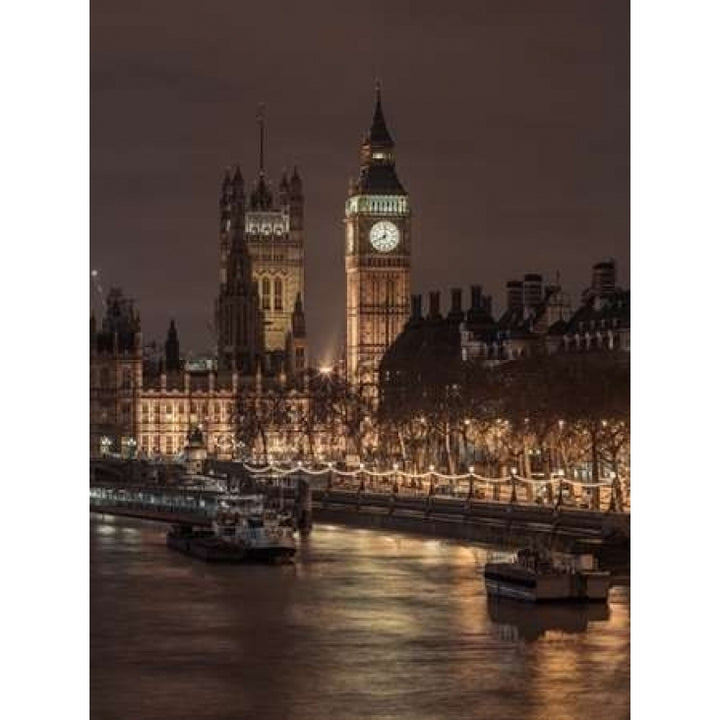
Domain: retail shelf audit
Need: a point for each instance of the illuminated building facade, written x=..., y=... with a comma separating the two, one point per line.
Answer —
x=274, y=233
x=146, y=406
x=377, y=255
x=269, y=229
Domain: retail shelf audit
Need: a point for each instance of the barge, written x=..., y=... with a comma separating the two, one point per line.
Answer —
x=242, y=531
x=542, y=576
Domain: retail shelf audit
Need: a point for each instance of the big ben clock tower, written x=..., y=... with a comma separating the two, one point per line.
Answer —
x=377, y=255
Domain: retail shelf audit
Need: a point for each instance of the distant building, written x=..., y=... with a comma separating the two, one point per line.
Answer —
x=538, y=319
x=601, y=323
x=531, y=308
x=425, y=358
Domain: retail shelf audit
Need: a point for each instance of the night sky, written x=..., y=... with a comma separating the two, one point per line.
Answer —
x=510, y=117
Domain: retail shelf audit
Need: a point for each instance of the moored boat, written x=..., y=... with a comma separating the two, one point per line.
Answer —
x=243, y=530
x=543, y=576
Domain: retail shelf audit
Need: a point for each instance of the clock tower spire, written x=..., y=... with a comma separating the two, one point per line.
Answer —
x=377, y=255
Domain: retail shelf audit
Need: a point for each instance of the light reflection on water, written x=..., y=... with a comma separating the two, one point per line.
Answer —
x=365, y=624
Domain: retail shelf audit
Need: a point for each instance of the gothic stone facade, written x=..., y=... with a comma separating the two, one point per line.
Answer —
x=377, y=256
x=141, y=407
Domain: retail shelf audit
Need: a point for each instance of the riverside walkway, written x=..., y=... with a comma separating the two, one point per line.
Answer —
x=500, y=517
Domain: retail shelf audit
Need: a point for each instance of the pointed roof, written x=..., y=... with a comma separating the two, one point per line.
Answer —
x=379, y=134
x=261, y=197
x=379, y=179
x=235, y=174
x=296, y=186
x=377, y=172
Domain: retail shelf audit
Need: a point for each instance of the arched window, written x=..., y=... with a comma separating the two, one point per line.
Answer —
x=265, y=293
x=278, y=294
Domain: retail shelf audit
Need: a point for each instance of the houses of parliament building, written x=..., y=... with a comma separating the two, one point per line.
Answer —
x=149, y=406
x=258, y=394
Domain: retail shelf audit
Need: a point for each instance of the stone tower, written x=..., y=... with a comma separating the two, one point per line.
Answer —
x=238, y=322
x=116, y=376
x=274, y=229
x=172, y=349
x=377, y=255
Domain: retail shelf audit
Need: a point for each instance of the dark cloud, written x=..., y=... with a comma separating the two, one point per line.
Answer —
x=511, y=120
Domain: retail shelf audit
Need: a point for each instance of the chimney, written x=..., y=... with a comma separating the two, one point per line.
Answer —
x=456, y=313
x=604, y=277
x=514, y=289
x=456, y=300
x=480, y=306
x=434, y=305
x=416, y=303
x=532, y=290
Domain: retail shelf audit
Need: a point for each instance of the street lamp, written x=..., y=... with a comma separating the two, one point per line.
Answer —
x=513, y=491
x=614, y=492
x=105, y=443
x=561, y=475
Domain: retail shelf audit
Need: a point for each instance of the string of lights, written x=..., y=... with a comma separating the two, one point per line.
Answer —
x=277, y=470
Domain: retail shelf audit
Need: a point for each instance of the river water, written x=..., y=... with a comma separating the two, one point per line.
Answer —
x=365, y=624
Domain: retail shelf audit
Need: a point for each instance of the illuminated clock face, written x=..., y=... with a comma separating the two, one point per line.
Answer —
x=384, y=236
